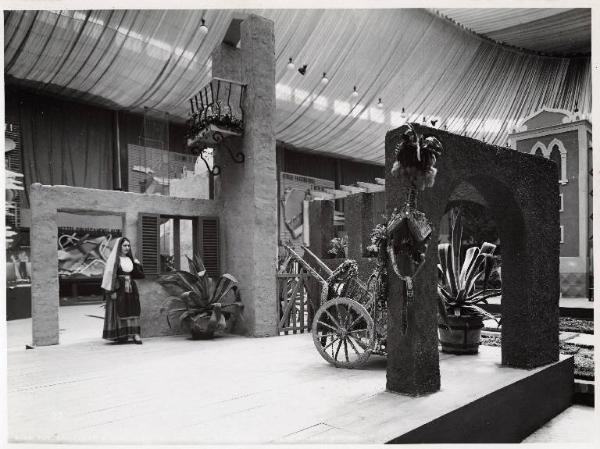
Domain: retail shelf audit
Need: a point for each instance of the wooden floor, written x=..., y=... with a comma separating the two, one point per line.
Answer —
x=172, y=390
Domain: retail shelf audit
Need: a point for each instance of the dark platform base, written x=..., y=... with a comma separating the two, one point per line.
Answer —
x=507, y=415
x=583, y=393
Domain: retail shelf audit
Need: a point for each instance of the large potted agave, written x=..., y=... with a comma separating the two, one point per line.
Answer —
x=203, y=306
x=461, y=317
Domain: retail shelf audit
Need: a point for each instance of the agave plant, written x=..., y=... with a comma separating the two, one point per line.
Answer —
x=457, y=291
x=200, y=304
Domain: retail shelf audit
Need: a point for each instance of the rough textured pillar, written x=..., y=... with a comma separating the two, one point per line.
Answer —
x=320, y=217
x=44, y=269
x=359, y=223
x=413, y=358
x=248, y=190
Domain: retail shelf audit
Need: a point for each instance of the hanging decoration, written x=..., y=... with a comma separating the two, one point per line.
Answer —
x=216, y=113
x=203, y=28
x=408, y=230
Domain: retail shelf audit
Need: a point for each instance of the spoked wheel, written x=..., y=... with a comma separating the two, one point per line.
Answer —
x=343, y=332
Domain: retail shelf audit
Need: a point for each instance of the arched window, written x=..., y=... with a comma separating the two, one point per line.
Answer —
x=558, y=154
x=539, y=149
x=555, y=156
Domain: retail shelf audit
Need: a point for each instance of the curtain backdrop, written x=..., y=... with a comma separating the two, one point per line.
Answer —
x=410, y=58
x=65, y=143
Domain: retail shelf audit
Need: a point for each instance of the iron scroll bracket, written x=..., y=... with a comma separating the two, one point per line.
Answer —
x=238, y=157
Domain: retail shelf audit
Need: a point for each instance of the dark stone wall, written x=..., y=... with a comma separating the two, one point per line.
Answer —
x=522, y=193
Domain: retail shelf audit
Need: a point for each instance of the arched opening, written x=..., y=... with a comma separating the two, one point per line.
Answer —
x=473, y=293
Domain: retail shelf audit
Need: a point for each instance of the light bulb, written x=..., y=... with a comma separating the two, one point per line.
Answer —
x=380, y=104
x=324, y=80
x=291, y=65
x=203, y=29
x=403, y=114
x=355, y=92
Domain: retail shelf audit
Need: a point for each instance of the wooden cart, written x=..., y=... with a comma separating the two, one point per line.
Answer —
x=351, y=321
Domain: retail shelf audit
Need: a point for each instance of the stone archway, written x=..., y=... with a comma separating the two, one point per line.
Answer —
x=521, y=191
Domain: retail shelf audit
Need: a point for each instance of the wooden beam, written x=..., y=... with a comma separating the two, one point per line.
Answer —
x=337, y=193
x=321, y=196
x=371, y=187
x=352, y=189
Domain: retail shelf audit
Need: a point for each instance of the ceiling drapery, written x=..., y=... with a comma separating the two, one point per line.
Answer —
x=551, y=30
x=409, y=58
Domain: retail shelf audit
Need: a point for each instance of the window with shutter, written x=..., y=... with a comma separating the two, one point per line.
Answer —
x=209, y=243
x=148, y=243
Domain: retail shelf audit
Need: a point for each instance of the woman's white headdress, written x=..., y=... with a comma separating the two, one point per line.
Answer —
x=110, y=269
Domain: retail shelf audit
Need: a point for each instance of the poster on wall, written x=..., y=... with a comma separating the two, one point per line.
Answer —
x=82, y=253
x=84, y=244
x=295, y=190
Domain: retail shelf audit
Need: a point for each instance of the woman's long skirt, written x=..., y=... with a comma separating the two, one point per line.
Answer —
x=116, y=327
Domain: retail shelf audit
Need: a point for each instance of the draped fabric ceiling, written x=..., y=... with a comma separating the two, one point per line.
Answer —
x=410, y=58
x=555, y=31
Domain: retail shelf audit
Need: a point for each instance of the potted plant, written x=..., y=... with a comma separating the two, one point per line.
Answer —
x=202, y=305
x=461, y=318
x=212, y=124
x=338, y=247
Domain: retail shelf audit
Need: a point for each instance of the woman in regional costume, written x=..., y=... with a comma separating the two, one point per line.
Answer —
x=122, y=318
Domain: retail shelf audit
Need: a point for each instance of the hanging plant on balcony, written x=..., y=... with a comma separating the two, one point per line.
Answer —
x=211, y=128
x=215, y=115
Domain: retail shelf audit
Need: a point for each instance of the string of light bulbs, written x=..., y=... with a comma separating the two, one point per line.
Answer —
x=325, y=80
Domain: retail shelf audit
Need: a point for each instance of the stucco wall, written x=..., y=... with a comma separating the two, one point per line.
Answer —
x=46, y=201
x=249, y=190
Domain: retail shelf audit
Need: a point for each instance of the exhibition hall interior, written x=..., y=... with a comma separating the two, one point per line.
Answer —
x=313, y=226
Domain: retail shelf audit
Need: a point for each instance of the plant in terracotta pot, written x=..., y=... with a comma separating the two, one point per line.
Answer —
x=203, y=306
x=461, y=317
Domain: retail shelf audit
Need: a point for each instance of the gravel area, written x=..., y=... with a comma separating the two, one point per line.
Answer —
x=584, y=357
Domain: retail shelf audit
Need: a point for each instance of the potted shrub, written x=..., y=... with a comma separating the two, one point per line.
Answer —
x=338, y=247
x=461, y=318
x=202, y=305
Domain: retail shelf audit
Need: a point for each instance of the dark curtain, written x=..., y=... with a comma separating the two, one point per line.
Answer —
x=65, y=143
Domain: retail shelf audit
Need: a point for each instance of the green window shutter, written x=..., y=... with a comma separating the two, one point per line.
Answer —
x=149, y=243
x=210, y=245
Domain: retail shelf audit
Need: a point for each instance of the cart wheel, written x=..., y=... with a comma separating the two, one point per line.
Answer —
x=343, y=332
